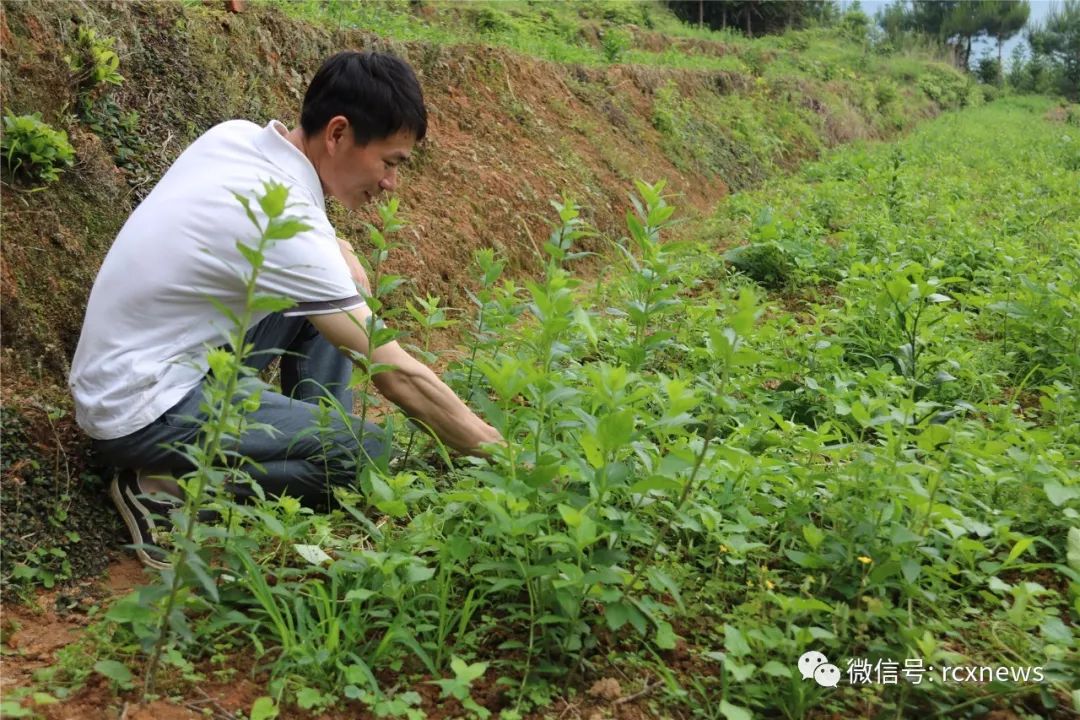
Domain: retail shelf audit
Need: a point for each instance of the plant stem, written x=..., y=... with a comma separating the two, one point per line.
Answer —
x=475, y=348
x=647, y=559
x=194, y=500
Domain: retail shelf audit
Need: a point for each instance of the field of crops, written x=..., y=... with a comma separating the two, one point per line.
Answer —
x=839, y=417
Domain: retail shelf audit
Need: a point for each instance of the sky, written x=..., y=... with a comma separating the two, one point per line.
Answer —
x=1039, y=10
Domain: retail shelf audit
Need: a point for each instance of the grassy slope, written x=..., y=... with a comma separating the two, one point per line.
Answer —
x=587, y=130
x=914, y=212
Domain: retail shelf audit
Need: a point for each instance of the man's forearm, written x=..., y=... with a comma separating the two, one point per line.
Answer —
x=429, y=401
x=411, y=385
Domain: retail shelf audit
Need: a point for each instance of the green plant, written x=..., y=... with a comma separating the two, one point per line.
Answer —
x=430, y=316
x=24, y=702
x=653, y=270
x=491, y=20
x=698, y=467
x=94, y=63
x=156, y=612
x=120, y=130
x=458, y=686
x=34, y=149
x=989, y=71
x=614, y=43
x=944, y=86
x=766, y=263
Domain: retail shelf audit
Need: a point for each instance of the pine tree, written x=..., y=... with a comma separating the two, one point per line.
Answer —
x=1005, y=18
x=1059, y=40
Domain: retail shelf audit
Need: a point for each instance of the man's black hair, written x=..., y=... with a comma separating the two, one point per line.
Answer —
x=377, y=92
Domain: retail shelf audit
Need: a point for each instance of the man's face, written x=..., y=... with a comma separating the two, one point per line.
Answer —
x=357, y=174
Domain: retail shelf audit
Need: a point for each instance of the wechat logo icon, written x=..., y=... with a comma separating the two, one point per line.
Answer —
x=815, y=665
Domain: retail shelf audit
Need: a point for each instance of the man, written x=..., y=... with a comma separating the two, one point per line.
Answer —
x=141, y=361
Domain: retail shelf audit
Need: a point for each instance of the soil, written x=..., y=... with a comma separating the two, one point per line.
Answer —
x=55, y=515
x=35, y=632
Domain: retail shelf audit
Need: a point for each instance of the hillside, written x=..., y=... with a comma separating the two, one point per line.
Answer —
x=779, y=434
x=509, y=133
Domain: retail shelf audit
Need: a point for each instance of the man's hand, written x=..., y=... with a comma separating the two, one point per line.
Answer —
x=488, y=435
x=356, y=269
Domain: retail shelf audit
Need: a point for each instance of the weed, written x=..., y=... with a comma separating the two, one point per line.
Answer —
x=614, y=43
x=34, y=149
x=93, y=63
x=685, y=457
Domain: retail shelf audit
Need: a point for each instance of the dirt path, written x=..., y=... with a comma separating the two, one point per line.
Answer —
x=33, y=633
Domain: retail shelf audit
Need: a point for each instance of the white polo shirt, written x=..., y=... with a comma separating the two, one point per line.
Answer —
x=149, y=322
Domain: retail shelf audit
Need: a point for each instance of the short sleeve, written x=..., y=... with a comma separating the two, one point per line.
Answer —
x=310, y=270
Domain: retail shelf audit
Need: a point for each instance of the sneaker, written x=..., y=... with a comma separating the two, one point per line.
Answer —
x=148, y=518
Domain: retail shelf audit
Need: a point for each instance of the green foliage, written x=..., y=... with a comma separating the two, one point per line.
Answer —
x=115, y=671
x=858, y=466
x=457, y=687
x=23, y=702
x=766, y=263
x=264, y=708
x=855, y=25
x=47, y=538
x=94, y=63
x=95, y=67
x=717, y=136
x=565, y=32
x=1058, y=40
x=490, y=20
x=754, y=18
x=951, y=25
x=614, y=43
x=988, y=70
x=33, y=149
x=946, y=87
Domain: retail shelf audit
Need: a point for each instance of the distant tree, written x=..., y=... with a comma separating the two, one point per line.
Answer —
x=1032, y=74
x=855, y=24
x=895, y=19
x=964, y=22
x=755, y=17
x=932, y=18
x=1005, y=18
x=1058, y=39
x=988, y=70
x=956, y=23
x=936, y=19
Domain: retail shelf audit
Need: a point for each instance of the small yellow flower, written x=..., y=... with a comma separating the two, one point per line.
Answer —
x=724, y=549
x=865, y=560
x=769, y=585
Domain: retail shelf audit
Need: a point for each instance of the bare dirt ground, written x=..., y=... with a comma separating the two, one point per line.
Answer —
x=37, y=629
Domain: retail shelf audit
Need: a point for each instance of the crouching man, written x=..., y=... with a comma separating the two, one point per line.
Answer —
x=141, y=361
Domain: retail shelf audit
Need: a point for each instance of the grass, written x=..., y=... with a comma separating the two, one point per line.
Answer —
x=853, y=434
x=572, y=32
x=873, y=458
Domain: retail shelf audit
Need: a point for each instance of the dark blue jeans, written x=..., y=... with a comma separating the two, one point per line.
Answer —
x=307, y=449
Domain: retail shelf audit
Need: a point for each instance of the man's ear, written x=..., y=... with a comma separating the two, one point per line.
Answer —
x=335, y=132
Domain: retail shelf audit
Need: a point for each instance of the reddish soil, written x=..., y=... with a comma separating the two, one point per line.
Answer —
x=35, y=634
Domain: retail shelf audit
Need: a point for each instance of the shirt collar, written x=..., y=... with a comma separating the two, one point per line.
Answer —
x=289, y=159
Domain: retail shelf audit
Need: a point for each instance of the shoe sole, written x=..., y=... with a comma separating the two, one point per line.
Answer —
x=133, y=526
